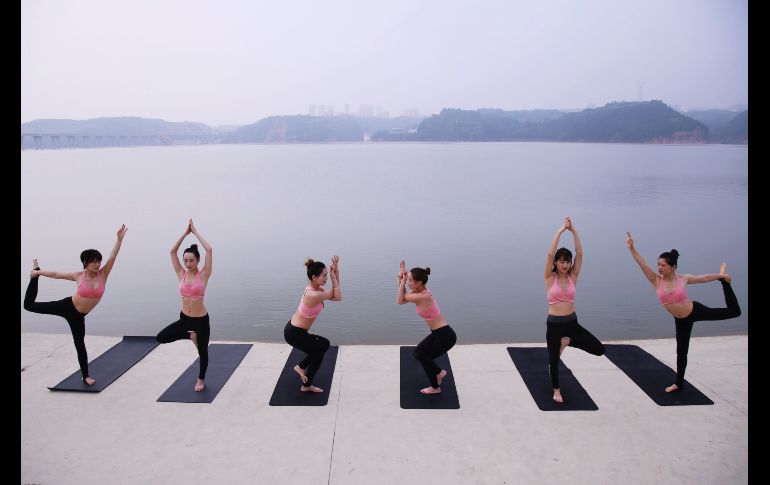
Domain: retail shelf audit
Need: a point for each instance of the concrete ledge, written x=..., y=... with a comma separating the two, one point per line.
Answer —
x=362, y=436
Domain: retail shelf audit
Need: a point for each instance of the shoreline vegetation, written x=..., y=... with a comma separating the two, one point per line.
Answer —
x=651, y=122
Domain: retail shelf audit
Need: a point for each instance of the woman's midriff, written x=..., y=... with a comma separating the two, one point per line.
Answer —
x=679, y=310
x=192, y=307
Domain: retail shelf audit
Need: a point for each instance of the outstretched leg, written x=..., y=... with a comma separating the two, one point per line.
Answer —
x=66, y=309
x=701, y=313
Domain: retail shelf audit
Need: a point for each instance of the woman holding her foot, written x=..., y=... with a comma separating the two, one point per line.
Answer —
x=562, y=327
x=441, y=338
x=672, y=293
x=193, y=323
x=91, y=283
x=297, y=330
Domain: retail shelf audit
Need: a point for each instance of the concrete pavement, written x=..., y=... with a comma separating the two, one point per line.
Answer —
x=498, y=436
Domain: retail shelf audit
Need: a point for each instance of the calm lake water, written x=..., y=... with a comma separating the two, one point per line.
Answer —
x=481, y=215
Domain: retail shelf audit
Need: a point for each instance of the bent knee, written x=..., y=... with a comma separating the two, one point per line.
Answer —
x=325, y=344
x=600, y=351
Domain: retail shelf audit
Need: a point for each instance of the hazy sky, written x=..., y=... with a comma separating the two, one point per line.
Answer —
x=237, y=61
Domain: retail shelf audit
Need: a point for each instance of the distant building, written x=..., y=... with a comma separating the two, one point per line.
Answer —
x=412, y=113
x=311, y=110
x=329, y=110
x=321, y=110
x=366, y=110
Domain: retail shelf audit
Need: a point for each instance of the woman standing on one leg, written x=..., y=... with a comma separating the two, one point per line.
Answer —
x=90, y=289
x=297, y=328
x=562, y=327
x=193, y=323
x=441, y=338
x=671, y=291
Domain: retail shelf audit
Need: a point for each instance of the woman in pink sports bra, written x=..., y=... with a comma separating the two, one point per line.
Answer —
x=297, y=329
x=91, y=283
x=562, y=327
x=193, y=323
x=671, y=290
x=441, y=338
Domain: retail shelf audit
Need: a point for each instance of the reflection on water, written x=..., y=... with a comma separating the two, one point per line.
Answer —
x=481, y=215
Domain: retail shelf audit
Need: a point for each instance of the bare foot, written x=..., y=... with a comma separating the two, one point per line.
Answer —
x=564, y=343
x=299, y=370
x=431, y=390
x=440, y=377
x=672, y=388
x=89, y=381
x=310, y=389
x=35, y=267
x=723, y=271
x=194, y=338
x=199, y=385
x=557, y=395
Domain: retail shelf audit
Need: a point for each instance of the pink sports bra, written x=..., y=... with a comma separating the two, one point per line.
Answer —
x=558, y=295
x=306, y=311
x=87, y=292
x=431, y=312
x=194, y=290
x=677, y=295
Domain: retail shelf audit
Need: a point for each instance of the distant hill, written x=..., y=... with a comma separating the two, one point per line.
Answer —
x=712, y=118
x=314, y=129
x=734, y=131
x=626, y=122
x=636, y=122
x=642, y=122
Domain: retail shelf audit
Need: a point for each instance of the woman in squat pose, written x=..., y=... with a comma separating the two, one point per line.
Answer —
x=672, y=293
x=91, y=283
x=441, y=338
x=297, y=330
x=193, y=323
x=562, y=327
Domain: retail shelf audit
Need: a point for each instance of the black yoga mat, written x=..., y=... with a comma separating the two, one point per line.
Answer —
x=106, y=368
x=223, y=360
x=287, y=393
x=413, y=378
x=532, y=364
x=653, y=376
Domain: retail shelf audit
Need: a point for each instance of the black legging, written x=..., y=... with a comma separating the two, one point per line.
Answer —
x=435, y=345
x=181, y=329
x=700, y=313
x=567, y=326
x=65, y=309
x=314, y=346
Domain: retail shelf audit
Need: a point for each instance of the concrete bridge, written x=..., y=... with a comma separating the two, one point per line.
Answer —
x=40, y=141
